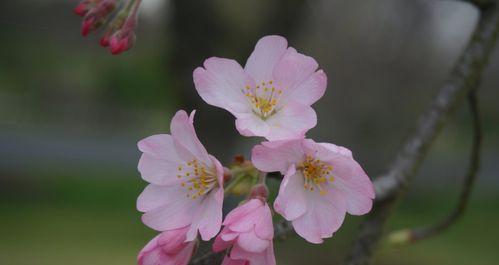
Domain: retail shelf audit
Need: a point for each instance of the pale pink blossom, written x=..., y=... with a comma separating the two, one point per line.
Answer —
x=248, y=232
x=272, y=96
x=321, y=182
x=167, y=248
x=186, y=183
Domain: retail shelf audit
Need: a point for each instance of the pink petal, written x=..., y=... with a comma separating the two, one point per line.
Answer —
x=228, y=261
x=241, y=211
x=324, y=216
x=220, y=83
x=337, y=149
x=268, y=51
x=251, y=243
x=154, y=257
x=158, y=170
x=248, y=124
x=291, y=202
x=150, y=246
x=159, y=146
x=277, y=155
x=172, y=241
x=264, y=228
x=330, y=212
x=220, y=244
x=208, y=216
x=265, y=257
x=291, y=122
x=293, y=69
x=351, y=176
x=184, y=136
x=155, y=196
x=308, y=91
x=170, y=216
x=219, y=171
x=357, y=203
x=269, y=255
x=185, y=255
x=228, y=235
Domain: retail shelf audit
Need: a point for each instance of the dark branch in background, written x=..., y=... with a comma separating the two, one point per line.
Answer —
x=464, y=78
x=416, y=234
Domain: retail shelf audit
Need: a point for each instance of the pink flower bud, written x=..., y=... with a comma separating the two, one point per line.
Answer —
x=121, y=41
x=87, y=26
x=168, y=248
x=96, y=15
x=248, y=234
x=83, y=7
x=123, y=37
x=259, y=191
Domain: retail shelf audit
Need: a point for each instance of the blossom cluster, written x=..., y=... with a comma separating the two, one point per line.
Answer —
x=270, y=97
x=119, y=35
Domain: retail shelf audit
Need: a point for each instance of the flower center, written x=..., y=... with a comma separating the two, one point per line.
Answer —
x=263, y=98
x=197, y=179
x=316, y=173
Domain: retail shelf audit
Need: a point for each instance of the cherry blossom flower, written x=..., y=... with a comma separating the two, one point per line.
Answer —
x=186, y=183
x=321, y=182
x=167, y=248
x=248, y=232
x=272, y=96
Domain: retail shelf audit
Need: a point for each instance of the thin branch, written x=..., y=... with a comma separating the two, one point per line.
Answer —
x=416, y=234
x=464, y=77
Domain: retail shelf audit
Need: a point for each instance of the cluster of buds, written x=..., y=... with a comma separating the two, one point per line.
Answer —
x=119, y=35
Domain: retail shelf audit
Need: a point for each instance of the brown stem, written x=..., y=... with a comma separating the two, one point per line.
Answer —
x=464, y=77
x=416, y=234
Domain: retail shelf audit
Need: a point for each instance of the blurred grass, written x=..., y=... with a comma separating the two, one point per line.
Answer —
x=91, y=220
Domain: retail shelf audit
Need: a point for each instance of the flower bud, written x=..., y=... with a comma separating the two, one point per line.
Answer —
x=259, y=191
x=83, y=7
x=124, y=38
x=96, y=15
x=121, y=41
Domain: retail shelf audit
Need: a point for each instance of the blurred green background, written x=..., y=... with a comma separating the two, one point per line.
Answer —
x=71, y=114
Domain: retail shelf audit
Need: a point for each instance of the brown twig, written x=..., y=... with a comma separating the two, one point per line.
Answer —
x=416, y=234
x=464, y=77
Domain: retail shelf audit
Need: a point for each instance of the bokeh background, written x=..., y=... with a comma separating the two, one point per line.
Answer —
x=71, y=114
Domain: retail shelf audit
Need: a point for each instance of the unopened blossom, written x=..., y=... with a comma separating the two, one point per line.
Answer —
x=94, y=13
x=123, y=39
x=84, y=6
x=248, y=233
x=120, y=34
x=271, y=96
x=167, y=248
x=186, y=183
x=321, y=183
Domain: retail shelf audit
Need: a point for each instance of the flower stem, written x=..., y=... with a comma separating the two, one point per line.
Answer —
x=233, y=184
